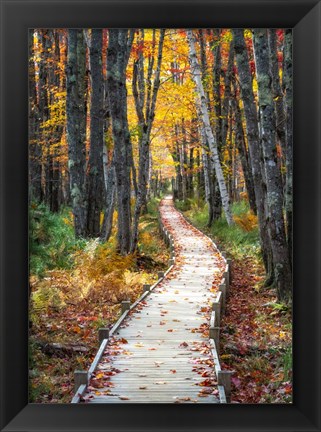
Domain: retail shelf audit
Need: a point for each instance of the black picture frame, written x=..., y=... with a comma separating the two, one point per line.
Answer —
x=304, y=16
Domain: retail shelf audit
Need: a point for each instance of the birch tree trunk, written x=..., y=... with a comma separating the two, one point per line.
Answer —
x=196, y=73
x=95, y=185
x=282, y=268
x=76, y=126
x=213, y=201
x=119, y=46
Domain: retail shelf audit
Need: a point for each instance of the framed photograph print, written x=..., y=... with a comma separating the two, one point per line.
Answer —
x=160, y=215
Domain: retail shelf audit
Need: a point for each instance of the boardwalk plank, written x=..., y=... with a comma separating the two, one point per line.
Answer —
x=168, y=333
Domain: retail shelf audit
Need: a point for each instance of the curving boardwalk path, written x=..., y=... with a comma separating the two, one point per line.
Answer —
x=161, y=354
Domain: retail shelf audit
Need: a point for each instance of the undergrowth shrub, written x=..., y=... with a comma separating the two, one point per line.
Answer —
x=51, y=239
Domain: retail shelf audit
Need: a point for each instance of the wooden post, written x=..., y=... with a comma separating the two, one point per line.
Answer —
x=216, y=307
x=146, y=287
x=103, y=333
x=80, y=377
x=222, y=288
x=226, y=276
x=229, y=263
x=224, y=379
x=215, y=334
x=125, y=305
x=160, y=274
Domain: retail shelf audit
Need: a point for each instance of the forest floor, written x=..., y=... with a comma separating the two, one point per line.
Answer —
x=256, y=332
x=77, y=287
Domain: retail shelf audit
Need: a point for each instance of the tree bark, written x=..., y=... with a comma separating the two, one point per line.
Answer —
x=35, y=154
x=196, y=73
x=245, y=79
x=95, y=184
x=276, y=89
x=76, y=126
x=119, y=46
x=241, y=147
x=145, y=116
x=282, y=269
x=289, y=137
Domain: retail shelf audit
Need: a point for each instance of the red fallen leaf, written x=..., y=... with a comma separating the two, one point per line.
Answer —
x=170, y=330
x=173, y=370
x=123, y=397
x=123, y=340
x=183, y=344
x=206, y=391
x=162, y=323
x=205, y=374
x=152, y=349
x=96, y=384
x=206, y=382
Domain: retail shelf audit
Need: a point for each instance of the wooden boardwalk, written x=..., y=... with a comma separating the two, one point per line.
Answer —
x=161, y=352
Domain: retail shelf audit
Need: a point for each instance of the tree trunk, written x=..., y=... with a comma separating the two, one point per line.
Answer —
x=196, y=73
x=119, y=46
x=145, y=118
x=276, y=89
x=95, y=184
x=241, y=147
x=110, y=193
x=289, y=137
x=35, y=156
x=56, y=190
x=245, y=79
x=282, y=269
x=76, y=126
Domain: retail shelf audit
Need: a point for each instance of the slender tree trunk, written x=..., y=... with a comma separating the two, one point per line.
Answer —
x=241, y=147
x=282, y=268
x=119, y=46
x=58, y=131
x=276, y=89
x=35, y=156
x=110, y=193
x=145, y=122
x=196, y=73
x=76, y=126
x=95, y=182
x=289, y=137
x=245, y=79
x=190, y=189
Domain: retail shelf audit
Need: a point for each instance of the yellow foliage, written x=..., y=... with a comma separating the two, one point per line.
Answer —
x=248, y=221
